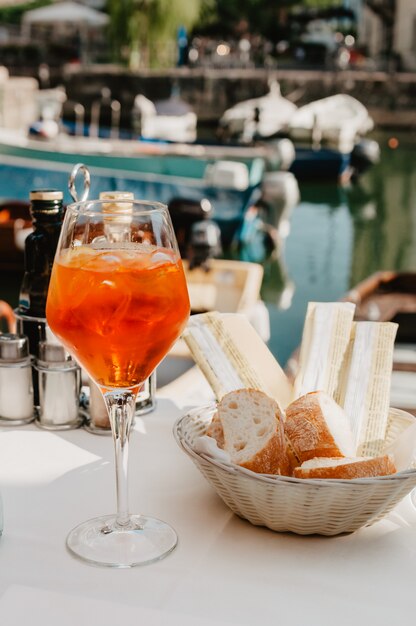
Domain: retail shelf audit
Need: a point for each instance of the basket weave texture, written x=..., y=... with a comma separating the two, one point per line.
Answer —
x=302, y=506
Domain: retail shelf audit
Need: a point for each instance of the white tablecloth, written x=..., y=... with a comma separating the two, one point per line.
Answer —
x=224, y=571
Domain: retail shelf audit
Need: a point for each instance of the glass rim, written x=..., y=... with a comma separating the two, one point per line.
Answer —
x=147, y=207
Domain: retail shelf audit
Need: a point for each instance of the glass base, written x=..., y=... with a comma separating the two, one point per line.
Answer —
x=100, y=541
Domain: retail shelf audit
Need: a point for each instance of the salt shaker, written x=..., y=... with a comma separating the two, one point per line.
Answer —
x=16, y=387
x=59, y=389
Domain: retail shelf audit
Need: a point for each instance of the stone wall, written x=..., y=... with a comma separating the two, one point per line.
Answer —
x=390, y=97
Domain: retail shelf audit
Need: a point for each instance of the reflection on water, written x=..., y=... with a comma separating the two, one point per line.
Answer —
x=316, y=260
x=339, y=236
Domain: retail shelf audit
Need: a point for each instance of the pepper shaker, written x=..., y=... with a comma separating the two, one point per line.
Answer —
x=16, y=386
x=59, y=389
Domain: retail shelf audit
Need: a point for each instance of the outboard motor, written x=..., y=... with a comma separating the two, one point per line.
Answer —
x=280, y=193
x=198, y=236
x=284, y=153
x=205, y=244
x=365, y=154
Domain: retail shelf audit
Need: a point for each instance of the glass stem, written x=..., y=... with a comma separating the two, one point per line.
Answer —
x=121, y=407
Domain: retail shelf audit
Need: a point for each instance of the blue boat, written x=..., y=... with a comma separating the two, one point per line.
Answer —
x=321, y=164
x=231, y=186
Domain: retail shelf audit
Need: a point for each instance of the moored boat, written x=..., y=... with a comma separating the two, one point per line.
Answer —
x=337, y=121
x=321, y=163
x=257, y=117
x=391, y=297
x=327, y=134
x=170, y=120
x=230, y=186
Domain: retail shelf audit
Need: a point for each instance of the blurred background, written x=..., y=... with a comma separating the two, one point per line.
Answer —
x=208, y=56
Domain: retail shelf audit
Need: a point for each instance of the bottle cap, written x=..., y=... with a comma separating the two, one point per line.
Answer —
x=13, y=348
x=46, y=194
x=117, y=206
x=116, y=195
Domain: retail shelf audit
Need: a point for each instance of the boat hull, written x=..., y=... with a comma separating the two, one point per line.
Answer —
x=320, y=164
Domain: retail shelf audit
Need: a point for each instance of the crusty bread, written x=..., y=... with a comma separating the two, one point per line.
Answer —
x=316, y=426
x=358, y=467
x=292, y=458
x=253, y=431
x=215, y=430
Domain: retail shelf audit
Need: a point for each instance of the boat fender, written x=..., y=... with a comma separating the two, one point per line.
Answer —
x=227, y=175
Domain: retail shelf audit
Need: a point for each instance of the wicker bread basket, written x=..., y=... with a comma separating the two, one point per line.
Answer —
x=325, y=507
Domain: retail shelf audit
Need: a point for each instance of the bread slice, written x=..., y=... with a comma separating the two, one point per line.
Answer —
x=215, y=430
x=316, y=426
x=359, y=467
x=253, y=431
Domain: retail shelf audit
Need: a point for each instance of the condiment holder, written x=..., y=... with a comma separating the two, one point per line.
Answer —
x=16, y=386
x=59, y=389
x=38, y=381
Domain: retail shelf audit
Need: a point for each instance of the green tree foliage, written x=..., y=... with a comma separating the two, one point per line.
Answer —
x=225, y=18
x=145, y=29
x=320, y=4
x=143, y=32
x=13, y=14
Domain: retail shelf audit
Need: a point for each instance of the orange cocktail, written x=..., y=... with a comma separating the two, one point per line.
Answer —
x=118, y=311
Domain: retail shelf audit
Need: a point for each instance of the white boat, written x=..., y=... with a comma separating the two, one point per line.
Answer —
x=337, y=121
x=261, y=117
x=326, y=136
x=167, y=120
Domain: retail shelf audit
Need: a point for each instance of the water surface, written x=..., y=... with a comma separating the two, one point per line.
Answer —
x=339, y=236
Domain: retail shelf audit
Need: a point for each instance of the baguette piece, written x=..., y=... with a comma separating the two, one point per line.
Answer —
x=316, y=426
x=359, y=467
x=253, y=429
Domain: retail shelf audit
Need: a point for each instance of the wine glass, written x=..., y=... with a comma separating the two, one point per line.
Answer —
x=118, y=301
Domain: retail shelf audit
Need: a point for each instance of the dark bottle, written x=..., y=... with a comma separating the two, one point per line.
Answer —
x=46, y=209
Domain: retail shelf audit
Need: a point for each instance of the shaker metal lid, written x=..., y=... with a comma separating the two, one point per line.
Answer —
x=13, y=347
x=51, y=352
x=46, y=194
